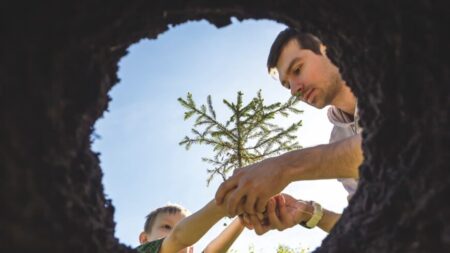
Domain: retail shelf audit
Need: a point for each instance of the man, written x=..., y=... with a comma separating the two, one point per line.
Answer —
x=303, y=67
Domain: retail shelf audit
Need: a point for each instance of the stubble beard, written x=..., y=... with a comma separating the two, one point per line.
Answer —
x=332, y=91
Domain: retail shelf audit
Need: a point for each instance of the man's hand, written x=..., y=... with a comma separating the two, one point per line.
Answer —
x=250, y=188
x=283, y=211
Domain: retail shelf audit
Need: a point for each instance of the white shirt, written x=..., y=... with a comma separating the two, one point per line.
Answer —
x=344, y=126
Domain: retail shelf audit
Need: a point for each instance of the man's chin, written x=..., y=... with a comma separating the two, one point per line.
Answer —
x=187, y=250
x=318, y=104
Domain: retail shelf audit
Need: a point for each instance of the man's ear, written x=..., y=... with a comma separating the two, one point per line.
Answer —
x=323, y=49
x=143, y=237
x=190, y=249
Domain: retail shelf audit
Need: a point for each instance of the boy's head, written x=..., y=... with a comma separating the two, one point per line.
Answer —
x=161, y=221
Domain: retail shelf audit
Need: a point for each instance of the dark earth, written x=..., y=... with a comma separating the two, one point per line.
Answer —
x=59, y=59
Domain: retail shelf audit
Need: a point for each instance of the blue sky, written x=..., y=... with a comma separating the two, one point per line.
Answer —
x=145, y=168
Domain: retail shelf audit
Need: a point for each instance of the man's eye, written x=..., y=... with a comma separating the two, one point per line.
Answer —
x=297, y=71
x=168, y=227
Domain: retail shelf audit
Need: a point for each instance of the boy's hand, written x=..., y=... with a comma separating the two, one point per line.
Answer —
x=245, y=220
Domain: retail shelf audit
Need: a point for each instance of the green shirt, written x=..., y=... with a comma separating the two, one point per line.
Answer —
x=150, y=247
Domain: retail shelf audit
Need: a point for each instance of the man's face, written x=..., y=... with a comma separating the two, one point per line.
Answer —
x=309, y=76
x=164, y=223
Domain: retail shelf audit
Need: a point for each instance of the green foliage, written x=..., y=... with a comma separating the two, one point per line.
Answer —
x=246, y=137
x=280, y=249
x=286, y=249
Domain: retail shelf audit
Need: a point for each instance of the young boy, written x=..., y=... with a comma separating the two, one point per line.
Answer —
x=170, y=229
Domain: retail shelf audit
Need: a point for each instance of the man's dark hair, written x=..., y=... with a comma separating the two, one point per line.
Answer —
x=305, y=40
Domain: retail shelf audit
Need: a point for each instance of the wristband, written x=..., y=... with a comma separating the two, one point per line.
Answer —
x=315, y=218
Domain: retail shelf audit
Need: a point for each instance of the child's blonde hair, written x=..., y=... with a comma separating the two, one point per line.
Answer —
x=169, y=208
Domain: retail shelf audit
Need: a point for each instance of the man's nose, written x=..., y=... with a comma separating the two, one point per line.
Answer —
x=293, y=89
x=295, y=85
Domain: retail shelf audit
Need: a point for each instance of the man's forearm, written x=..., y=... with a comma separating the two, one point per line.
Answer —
x=335, y=160
x=328, y=220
